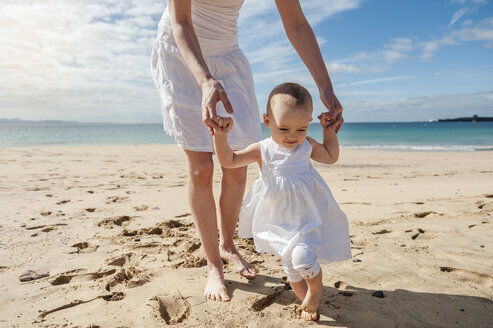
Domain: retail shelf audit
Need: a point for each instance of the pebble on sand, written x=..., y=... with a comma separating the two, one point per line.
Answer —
x=378, y=294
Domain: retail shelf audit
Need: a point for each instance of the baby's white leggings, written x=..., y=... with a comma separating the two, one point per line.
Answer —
x=300, y=264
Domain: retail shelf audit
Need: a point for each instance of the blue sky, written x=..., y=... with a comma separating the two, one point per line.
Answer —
x=407, y=60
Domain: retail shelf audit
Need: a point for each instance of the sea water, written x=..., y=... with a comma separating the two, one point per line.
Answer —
x=437, y=136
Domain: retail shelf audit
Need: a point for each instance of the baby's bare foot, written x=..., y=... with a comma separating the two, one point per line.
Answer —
x=215, y=289
x=243, y=267
x=310, y=305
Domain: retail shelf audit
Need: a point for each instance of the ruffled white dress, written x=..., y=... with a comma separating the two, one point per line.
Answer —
x=215, y=24
x=290, y=204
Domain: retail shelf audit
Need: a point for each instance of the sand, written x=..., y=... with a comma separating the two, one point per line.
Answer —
x=112, y=228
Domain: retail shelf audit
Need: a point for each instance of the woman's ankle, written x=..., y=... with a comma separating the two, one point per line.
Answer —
x=215, y=265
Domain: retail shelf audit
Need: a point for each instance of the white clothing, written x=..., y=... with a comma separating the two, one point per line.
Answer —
x=301, y=264
x=290, y=205
x=215, y=24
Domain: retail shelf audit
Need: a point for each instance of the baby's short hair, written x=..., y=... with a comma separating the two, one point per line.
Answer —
x=292, y=94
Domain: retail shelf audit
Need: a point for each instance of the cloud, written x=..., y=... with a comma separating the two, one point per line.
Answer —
x=472, y=6
x=470, y=1
x=334, y=67
x=89, y=60
x=265, y=43
x=380, y=80
x=76, y=59
x=480, y=31
x=458, y=15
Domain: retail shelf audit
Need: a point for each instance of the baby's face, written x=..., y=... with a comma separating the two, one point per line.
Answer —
x=288, y=124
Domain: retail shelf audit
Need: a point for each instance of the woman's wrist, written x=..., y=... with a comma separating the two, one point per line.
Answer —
x=206, y=79
x=326, y=87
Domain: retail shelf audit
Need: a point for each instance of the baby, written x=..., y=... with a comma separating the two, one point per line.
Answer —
x=290, y=210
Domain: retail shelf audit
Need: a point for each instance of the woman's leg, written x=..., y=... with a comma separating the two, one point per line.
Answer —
x=232, y=191
x=201, y=201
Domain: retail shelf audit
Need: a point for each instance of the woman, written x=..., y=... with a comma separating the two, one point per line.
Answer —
x=200, y=74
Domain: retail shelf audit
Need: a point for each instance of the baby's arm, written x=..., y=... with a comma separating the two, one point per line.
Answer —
x=328, y=152
x=226, y=156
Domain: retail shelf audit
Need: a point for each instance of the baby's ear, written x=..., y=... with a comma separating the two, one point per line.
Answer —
x=266, y=120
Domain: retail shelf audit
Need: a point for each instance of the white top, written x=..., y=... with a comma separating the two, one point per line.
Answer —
x=290, y=204
x=215, y=22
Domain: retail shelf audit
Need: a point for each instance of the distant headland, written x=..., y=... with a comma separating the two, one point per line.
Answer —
x=473, y=119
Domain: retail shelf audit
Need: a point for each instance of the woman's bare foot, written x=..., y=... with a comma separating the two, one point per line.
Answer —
x=215, y=289
x=244, y=268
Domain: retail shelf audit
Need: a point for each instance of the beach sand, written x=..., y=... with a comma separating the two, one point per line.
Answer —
x=112, y=228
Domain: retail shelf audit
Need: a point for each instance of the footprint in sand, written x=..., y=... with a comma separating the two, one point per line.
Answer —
x=470, y=276
x=486, y=207
x=172, y=308
x=422, y=214
x=84, y=248
x=120, y=260
x=76, y=276
x=341, y=286
x=32, y=275
x=141, y=208
x=381, y=232
x=181, y=246
x=128, y=275
x=116, y=199
x=36, y=189
x=115, y=220
x=116, y=296
x=46, y=228
x=264, y=301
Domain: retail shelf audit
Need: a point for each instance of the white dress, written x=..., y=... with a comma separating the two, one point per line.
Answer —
x=290, y=204
x=215, y=24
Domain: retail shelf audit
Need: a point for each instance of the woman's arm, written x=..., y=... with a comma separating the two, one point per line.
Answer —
x=186, y=39
x=301, y=36
x=225, y=155
x=328, y=152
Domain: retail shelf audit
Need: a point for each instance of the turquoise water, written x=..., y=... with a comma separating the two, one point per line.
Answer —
x=455, y=136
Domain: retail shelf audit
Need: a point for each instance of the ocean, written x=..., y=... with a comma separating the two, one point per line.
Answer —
x=415, y=136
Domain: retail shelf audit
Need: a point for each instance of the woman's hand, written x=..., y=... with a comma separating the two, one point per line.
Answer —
x=212, y=92
x=330, y=101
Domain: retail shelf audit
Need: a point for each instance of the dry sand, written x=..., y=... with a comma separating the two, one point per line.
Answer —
x=112, y=227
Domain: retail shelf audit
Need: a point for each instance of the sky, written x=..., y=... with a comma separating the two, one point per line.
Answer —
x=406, y=60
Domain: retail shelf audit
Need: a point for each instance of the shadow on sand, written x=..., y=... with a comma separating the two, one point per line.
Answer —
x=350, y=306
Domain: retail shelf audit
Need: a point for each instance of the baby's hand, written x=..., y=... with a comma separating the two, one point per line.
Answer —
x=327, y=121
x=225, y=124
